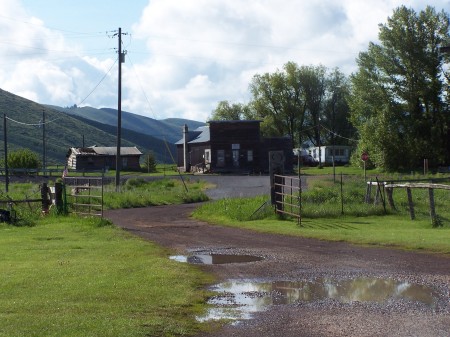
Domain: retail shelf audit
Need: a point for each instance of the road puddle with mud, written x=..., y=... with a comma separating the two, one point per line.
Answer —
x=216, y=258
x=238, y=300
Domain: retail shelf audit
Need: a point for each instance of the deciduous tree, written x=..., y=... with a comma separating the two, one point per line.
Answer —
x=226, y=111
x=397, y=104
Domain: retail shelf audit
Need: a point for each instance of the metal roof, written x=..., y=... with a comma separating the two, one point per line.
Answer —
x=199, y=135
x=106, y=151
x=240, y=121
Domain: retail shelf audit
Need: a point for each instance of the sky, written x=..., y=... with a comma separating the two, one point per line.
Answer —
x=182, y=56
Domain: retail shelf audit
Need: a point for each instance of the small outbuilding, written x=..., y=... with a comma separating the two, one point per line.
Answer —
x=103, y=158
x=230, y=146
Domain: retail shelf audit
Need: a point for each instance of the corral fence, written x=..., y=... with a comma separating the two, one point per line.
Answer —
x=84, y=195
x=286, y=194
x=50, y=196
x=384, y=193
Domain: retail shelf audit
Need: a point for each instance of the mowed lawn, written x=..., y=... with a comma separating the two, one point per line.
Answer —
x=83, y=277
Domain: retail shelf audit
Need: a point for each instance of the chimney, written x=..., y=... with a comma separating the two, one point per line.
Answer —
x=185, y=148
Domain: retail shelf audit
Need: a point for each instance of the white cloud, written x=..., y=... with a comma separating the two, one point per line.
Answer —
x=195, y=52
x=228, y=42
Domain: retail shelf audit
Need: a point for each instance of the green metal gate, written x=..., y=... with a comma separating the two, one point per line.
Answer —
x=85, y=195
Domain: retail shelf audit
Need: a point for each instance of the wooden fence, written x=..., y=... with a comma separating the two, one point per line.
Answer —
x=387, y=189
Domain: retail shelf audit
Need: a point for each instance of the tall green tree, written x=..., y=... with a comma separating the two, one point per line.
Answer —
x=335, y=120
x=226, y=111
x=278, y=100
x=314, y=83
x=397, y=103
x=307, y=103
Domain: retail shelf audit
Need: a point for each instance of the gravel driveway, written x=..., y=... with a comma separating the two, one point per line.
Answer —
x=321, y=268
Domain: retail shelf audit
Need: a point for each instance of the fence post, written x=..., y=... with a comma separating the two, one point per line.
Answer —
x=432, y=208
x=390, y=197
x=46, y=198
x=377, y=194
x=368, y=192
x=410, y=203
x=59, y=198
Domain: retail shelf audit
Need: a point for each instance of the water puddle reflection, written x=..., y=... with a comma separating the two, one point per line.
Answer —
x=216, y=258
x=237, y=300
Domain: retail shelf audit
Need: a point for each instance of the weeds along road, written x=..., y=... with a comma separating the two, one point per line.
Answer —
x=291, y=259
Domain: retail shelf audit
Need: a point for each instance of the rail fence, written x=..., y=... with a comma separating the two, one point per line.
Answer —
x=385, y=190
x=286, y=195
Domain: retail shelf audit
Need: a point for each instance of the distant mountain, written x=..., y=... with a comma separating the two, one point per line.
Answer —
x=64, y=130
x=167, y=129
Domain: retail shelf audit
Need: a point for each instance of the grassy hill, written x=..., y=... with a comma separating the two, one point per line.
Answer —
x=167, y=129
x=63, y=130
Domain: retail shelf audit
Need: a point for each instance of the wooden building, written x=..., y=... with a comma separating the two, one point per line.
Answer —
x=103, y=158
x=230, y=146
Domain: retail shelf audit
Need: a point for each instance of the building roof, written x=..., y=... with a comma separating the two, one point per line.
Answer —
x=199, y=135
x=244, y=121
x=105, y=151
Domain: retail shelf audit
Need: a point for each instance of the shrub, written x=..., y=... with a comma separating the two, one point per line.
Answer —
x=23, y=159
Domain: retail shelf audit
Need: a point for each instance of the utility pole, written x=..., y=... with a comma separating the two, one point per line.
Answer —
x=6, y=154
x=44, y=164
x=119, y=111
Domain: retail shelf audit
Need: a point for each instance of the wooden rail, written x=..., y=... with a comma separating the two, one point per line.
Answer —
x=409, y=186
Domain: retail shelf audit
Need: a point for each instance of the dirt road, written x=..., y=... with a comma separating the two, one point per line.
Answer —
x=287, y=260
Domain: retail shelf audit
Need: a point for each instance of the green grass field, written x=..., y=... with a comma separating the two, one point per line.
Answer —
x=68, y=276
x=76, y=277
x=361, y=223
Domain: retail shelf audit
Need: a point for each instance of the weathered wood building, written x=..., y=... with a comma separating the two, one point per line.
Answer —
x=102, y=158
x=230, y=146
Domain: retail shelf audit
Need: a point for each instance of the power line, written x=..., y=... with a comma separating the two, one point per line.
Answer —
x=104, y=76
x=34, y=124
x=337, y=135
x=25, y=21
x=142, y=88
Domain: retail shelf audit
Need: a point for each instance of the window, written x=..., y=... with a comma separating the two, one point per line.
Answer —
x=337, y=152
x=207, y=156
x=249, y=156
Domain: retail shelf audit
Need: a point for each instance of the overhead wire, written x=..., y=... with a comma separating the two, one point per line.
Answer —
x=63, y=114
x=142, y=88
x=102, y=79
x=33, y=124
x=338, y=135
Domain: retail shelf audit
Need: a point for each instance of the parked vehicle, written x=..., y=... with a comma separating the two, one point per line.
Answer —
x=305, y=160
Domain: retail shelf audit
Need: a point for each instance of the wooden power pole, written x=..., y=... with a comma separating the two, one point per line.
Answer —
x=119, y=111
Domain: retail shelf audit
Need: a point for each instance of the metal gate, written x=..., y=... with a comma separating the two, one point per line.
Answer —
x=85, y=195
x=286, y=195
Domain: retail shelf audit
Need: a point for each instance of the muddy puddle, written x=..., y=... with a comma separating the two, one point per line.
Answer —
x=238, y=300
x=216, y=258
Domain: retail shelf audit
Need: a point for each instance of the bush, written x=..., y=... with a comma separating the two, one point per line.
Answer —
x=23, y=159
x=135, y=183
